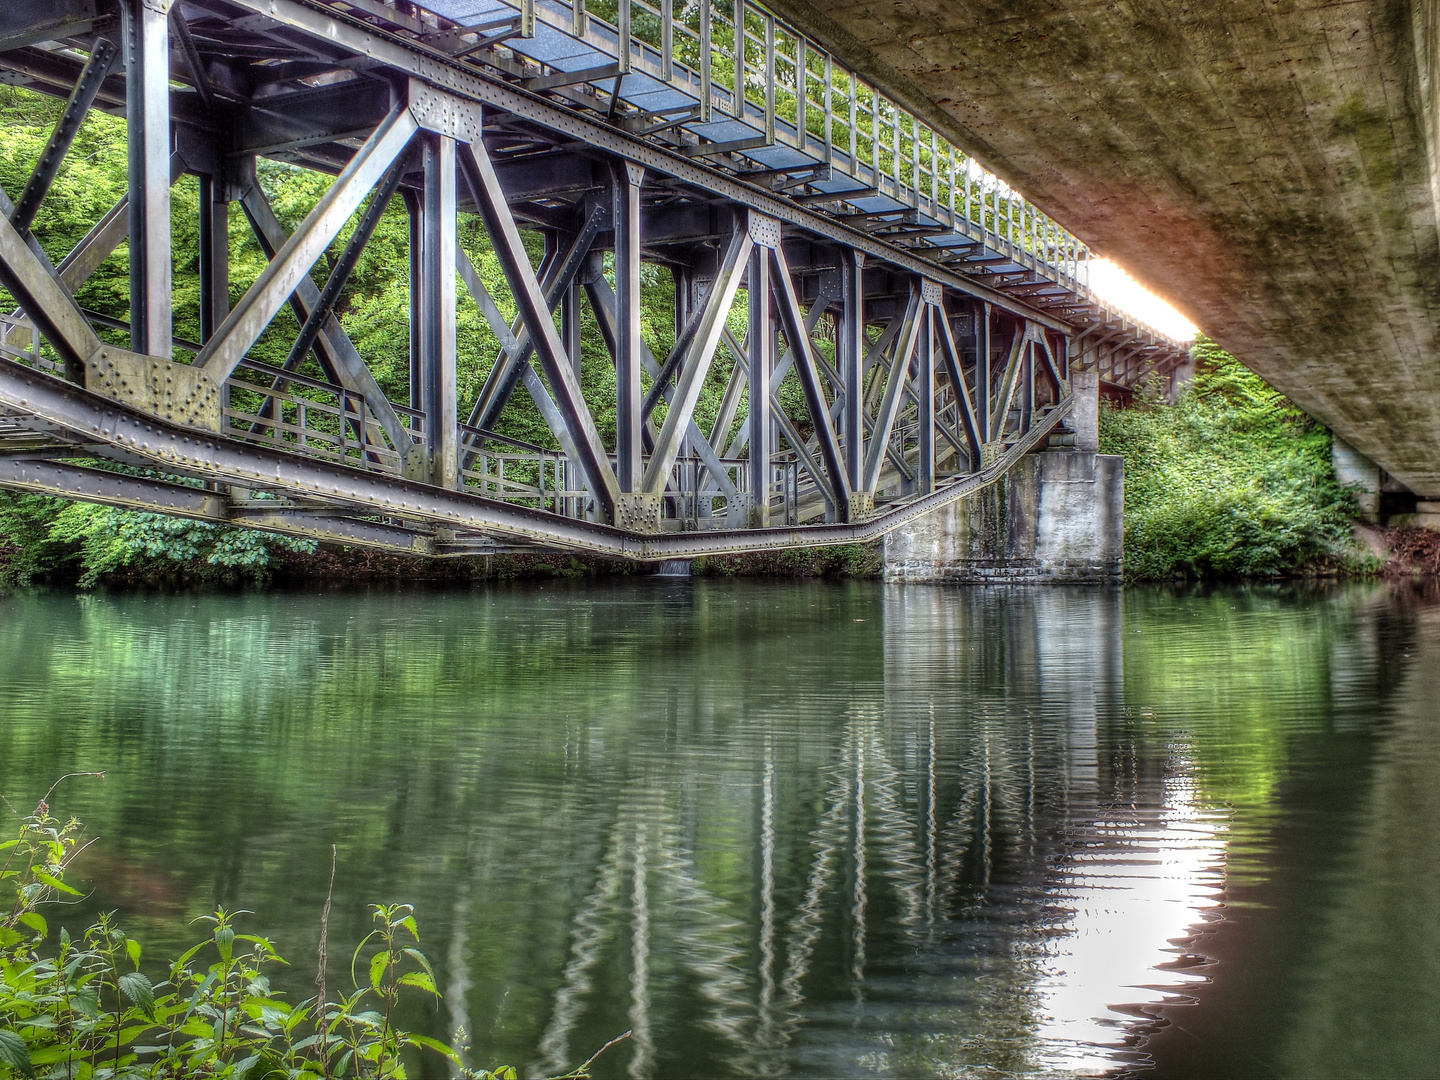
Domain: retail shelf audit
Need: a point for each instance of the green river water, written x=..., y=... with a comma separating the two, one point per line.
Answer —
x=782, y=828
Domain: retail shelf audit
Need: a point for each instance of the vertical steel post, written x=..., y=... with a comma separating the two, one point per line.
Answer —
x=760, y=424
x=739, y=17
x=627, y=179
x=437, y=312
x=214, y=255
x=706, y=74
x=570, y=323
x=667, y=40
x=624, y=30
x=769, y=78
x=982, y=369
x=802, y=79
x=925, y=397
x=850, y=342
x=146, y=30
x=414, y=208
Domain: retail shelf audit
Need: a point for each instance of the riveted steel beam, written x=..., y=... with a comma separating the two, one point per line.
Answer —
x=43, y=477
x=102, y=423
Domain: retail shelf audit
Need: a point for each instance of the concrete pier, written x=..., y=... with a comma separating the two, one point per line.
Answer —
x=1057, y=518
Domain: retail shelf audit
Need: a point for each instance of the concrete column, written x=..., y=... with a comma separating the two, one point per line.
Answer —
x=1056, y=518
x=1085, y=413
x=1354, y=470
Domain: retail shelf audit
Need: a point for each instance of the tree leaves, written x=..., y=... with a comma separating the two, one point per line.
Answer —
x=15, y=1053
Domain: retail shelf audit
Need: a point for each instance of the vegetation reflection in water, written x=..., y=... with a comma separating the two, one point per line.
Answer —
x=781, y=828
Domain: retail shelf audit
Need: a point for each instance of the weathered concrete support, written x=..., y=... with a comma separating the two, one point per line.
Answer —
x=1085, y=413
x=1356, y=471
x=1058, y=517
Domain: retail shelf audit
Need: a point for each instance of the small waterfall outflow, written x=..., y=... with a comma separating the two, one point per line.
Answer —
x=673, y=568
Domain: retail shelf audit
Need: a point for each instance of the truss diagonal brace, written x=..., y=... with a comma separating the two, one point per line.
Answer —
x=962, y=390
x=506, y=373
x=788, y=308
x=102, y=58
x=45, y=301
x=696, y=362
x=890, y=403
x=344, y=364
x=223, y=352
x=485, y=187
x=603, y=303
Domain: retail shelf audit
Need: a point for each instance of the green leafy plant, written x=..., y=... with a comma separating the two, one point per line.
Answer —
x=1231, y=481
x=84, y=1009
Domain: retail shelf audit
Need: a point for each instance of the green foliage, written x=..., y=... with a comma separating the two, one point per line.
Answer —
x=52, y=539
x=84, y=1009
x=1231, y=481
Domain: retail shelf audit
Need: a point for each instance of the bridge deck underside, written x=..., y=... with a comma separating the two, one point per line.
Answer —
x=1272, y=170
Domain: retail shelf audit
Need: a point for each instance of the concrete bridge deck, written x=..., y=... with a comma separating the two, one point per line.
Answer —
x=1270, y=168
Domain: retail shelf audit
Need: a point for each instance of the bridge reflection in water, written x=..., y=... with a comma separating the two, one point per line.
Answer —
x=964, y=872
x=772, y=828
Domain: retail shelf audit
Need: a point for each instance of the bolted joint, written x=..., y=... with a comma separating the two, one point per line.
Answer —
x=990, y=453
x=637, y=511
x=862, y=506
x=764, y=230
x=175, y=392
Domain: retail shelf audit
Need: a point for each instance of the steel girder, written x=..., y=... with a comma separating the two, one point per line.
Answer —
x=96, y=423
x=864, y=454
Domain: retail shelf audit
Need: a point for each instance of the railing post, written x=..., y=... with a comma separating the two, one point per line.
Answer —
x=146, y=30
x=667, y=39
x=706, y=68
x=739, y=102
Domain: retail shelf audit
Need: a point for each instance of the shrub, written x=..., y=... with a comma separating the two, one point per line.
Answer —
x=84, y=1009
x=1231, y=481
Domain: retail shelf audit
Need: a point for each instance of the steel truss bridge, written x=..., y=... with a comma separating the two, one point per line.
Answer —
x=930, y=316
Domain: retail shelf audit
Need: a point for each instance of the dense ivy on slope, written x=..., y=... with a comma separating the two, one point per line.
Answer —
x=1231, y=481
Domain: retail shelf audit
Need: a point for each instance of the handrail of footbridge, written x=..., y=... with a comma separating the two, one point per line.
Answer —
x=796, y=119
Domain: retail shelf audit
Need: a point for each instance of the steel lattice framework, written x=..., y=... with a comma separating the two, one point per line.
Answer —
x=930, y=316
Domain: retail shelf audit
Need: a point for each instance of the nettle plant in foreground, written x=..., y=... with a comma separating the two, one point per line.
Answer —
x=85, y=1009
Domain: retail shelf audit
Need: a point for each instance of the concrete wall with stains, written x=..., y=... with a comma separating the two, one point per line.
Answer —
x=1056, y=518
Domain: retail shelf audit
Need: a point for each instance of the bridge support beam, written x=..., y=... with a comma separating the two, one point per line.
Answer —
x=1056, y=518
x=147, y=112
x=437, y=313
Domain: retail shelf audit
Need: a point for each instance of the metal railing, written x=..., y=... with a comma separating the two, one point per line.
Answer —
x=264, y=405
x=740, y=63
